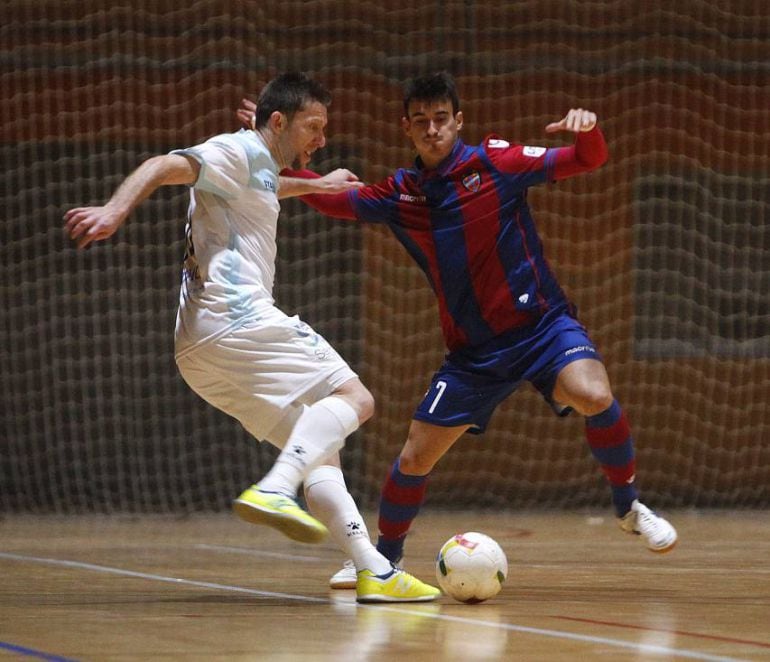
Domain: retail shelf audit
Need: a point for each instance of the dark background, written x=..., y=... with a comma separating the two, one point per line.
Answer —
x=664, y=250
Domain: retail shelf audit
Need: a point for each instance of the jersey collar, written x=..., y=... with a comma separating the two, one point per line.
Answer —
x=444, y=166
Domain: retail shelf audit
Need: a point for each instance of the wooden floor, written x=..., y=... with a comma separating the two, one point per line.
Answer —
x=215, y=588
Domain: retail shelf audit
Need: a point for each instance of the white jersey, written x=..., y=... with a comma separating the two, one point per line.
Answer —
x=229, y=267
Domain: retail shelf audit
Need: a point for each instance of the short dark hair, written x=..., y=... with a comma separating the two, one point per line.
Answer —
x=287, y=94
x=432, y=87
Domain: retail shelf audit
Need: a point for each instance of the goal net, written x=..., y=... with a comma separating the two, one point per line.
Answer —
x=665, y=250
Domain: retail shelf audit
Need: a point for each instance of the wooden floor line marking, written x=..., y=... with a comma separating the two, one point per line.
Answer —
x=563, y=634
x=559, y=634
x=32, y=652
x=161, y=578
x=715, y=637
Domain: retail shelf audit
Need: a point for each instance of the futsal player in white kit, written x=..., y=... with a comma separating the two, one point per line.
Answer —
x=236, y=349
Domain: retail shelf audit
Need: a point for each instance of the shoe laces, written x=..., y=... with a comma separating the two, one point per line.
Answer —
x=648, y=521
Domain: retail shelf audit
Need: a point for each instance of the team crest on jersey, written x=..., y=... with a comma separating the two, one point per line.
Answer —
x=473, y=181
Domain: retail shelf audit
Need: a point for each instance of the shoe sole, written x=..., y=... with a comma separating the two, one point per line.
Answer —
x=663, y=550
x=289, y=526
x=654, y=550
x=342, y=584
x=372, y=599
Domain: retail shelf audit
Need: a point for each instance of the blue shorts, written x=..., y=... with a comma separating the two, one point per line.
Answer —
x=474, y=380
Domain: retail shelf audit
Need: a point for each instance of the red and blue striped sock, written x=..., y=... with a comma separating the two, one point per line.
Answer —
x=610, y=441
x=400, y=501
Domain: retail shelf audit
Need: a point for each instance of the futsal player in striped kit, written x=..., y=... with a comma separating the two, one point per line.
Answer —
x=461, y=212
x=236, y=349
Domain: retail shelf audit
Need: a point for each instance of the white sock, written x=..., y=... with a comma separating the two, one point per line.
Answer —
x=328, y=499
x=319, y=432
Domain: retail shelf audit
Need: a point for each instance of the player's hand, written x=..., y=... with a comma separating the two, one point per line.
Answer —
x=576, y=120
x=246, y=113
x=339, y=181
x=88, y=224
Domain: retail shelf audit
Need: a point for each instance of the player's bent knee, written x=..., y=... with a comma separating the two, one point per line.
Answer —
x=363, y=403
x=368, y=409
x=359, y=397
x=414, y=464
x=595, y=402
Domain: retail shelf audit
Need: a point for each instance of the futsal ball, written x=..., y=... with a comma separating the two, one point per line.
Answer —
x=471, y=567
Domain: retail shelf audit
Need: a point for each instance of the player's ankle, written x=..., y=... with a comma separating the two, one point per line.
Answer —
x=391, y=549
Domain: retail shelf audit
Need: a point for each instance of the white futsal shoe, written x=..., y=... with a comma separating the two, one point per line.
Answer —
x=346, y=577
x=658, y=533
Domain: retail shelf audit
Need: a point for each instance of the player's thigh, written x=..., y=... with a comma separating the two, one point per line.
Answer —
x=222, y=393
x=565, y=366
x=584, y=386
x=462, y=394
x=257, y=374
x=282, y=358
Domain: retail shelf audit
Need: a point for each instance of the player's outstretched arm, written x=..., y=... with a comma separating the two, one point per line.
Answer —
x=88, y=224
x=590, y=148
x=336, y=205
x=337, y=181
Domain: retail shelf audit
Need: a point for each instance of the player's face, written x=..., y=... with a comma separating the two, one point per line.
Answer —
x=305, y=134
x=433, y=129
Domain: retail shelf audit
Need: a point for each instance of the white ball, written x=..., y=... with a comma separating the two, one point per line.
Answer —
x=471, y=567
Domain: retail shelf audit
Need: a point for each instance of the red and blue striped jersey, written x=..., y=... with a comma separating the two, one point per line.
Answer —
x=468, y=226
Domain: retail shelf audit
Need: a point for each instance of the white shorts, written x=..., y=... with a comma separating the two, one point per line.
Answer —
x=258, y=371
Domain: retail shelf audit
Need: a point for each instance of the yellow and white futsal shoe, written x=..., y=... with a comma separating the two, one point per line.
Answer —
x=346, y=577
x=395, y=586
x=281, y=512
x=658, y=533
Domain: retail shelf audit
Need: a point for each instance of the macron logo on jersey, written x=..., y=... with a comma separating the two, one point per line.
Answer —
x=403, y=197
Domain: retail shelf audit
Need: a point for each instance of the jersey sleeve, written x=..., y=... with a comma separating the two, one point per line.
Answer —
x=224, y=166
x=369, y=203
x=529, y=165
x=336, y=205
x=524, y=165
x=375, y=203
x=588, y=153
